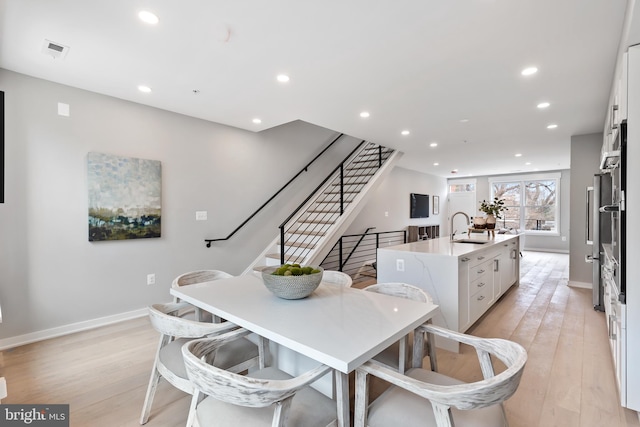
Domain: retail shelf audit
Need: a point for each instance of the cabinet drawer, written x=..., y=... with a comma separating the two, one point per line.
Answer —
x=480, y=302
x=478, y=270
x=480, y=283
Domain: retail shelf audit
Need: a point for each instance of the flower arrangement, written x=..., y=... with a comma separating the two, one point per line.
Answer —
x=493, y=208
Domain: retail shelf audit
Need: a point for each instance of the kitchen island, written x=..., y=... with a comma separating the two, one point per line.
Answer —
x=465, y=276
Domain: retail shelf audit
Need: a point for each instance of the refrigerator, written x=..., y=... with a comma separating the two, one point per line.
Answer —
x=599, y=224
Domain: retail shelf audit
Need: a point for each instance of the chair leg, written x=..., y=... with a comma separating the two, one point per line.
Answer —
x=443, y=415
x=431, y=349
x=195, y=399
x=264, y=355
x=281, y=412
x=403, y=345
x=418, y=347
x=151, y=391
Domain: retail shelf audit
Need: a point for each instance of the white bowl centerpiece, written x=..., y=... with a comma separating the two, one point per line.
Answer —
x=292, y=281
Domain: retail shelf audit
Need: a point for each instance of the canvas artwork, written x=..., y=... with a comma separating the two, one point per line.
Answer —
x=124, y=197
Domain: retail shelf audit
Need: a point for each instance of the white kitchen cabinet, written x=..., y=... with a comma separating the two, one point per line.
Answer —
x=509, y=264
x=464, y=321
x=464, y=279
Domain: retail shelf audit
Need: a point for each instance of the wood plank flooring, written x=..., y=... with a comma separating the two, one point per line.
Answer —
x=568, y=380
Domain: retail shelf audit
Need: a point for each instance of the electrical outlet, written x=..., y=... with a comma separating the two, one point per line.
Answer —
x=564, y=238
x=201, y=215
x=151, y=279
x=400, y=264
x=386, y=214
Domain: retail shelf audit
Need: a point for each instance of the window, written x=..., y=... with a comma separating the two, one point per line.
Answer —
x=532, y=202
x=462, y=187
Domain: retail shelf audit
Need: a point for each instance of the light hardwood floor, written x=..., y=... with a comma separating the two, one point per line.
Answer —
x=568, y=380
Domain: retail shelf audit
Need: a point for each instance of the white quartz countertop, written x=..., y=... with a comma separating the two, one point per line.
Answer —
x=444, y=246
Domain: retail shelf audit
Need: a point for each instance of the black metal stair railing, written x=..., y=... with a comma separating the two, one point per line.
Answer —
x=299, y=236
x=304, y=169
x=356, y=254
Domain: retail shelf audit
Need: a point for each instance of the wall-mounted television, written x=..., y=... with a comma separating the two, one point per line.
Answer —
x=419, y=205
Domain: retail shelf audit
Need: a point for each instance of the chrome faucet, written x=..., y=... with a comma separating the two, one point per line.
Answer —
x=453, y=232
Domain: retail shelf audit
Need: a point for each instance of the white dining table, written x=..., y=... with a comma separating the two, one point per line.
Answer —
x=338, y=326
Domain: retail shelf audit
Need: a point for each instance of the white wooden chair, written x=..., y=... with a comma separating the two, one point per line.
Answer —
x=337, y=278
x=426, y=398
x=261, y=398
x=397, y=355
x=176, y=331
x=199, y=276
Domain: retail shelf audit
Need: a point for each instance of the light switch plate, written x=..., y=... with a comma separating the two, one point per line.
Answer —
x=63, y=109
x=400, y=264
x=201, y=215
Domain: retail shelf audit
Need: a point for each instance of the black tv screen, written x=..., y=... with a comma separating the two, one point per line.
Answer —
x=419, y=205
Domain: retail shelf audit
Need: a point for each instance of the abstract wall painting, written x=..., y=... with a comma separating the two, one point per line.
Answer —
x=124, y=197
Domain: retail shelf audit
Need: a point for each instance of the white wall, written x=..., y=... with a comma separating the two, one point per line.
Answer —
x=51, y=275
x=585, y=163
x=392, y=197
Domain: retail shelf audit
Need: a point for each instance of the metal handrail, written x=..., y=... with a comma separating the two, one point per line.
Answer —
x=362, y=252
x=313, y=193
x=342, y=264
x=304, y=169
x=339, y=168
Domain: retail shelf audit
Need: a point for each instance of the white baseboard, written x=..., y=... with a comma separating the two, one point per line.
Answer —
x=31, y=337
x=556, y=251
x=583, y=285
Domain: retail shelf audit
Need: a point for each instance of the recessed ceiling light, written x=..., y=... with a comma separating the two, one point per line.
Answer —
x=529, y=71
x=433, y=144
x=436, y=164
x=518, y=155
x=282, y=78
x=464, y=120
x=543, y=105
x=257, y=121
x=364, y=114
x=552, y=126
x=528, y=163
x=405, y=132
x=144, y=89
x=148, y=17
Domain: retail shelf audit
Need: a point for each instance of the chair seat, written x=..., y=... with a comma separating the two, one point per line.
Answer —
x=309, y=408
x=229, y=355
x=397, y=406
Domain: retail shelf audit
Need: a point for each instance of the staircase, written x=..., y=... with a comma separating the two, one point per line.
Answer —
x=308, y=235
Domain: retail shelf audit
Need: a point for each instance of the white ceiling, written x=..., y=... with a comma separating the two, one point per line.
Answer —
x=420, y=65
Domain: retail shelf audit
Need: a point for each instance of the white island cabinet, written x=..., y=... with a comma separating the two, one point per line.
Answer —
x=464, y=277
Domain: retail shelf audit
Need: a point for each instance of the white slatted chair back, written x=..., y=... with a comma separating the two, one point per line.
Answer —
x=427, y=398
x=337, y=278
x=401, y=290
x=236, y=395
x=398, y=355
x=199, y=276
x=176, y=331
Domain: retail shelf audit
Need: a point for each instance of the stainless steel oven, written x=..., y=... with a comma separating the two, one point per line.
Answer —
x=606, y=220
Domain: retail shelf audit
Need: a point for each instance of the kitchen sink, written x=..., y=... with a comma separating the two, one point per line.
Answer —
x=475, y=242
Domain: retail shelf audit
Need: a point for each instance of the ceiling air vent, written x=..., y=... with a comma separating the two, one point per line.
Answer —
x=55, y=50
